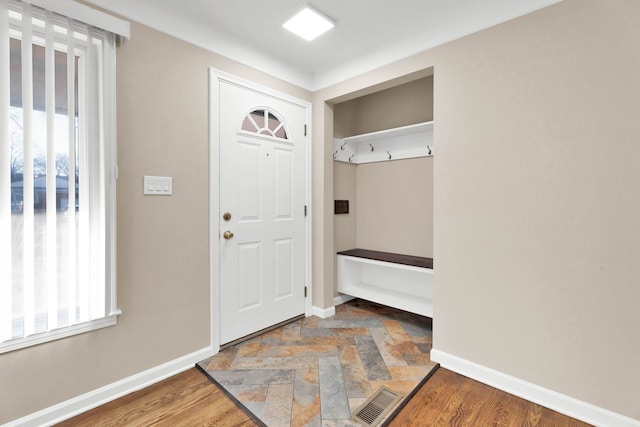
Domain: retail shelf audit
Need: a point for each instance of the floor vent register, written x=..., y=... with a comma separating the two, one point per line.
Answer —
x=376, y=407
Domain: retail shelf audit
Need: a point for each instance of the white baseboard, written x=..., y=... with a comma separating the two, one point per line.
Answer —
x=542, y=396
x=72, y=407
x=323, y=313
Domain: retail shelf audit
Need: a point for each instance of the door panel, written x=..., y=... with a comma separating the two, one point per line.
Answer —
x=262, y=186
x=284, y=272
x=249, y=277
x=249, y=185
x=283, y=160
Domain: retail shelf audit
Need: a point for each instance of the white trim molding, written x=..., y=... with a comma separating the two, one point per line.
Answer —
x=85, y=402
x=56, y=334
x=542, y=396
x=86, y=14
x=323, y=313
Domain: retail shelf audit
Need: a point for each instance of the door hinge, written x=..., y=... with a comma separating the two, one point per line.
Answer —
x=305, y=291
x=305, y=130
x=305, y=210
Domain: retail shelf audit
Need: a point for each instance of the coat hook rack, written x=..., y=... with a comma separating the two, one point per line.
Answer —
x=404, y=142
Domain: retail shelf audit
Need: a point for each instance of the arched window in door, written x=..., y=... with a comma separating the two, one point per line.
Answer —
x=261, y=121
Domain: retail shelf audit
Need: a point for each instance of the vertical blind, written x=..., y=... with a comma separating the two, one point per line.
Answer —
x=57, y=174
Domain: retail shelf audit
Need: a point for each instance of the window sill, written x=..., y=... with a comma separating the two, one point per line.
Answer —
x=57, y=334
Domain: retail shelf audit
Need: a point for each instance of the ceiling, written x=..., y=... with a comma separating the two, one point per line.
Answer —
x=368, y=33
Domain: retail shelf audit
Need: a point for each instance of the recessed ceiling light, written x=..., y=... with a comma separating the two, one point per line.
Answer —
x=308, y=24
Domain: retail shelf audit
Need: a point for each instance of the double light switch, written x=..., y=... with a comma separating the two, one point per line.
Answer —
x=158, y=185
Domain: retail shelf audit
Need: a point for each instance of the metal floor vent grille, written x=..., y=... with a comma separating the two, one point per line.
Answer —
x=373, y=410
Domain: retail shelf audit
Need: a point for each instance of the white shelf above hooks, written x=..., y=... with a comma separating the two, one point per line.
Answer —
x=393, y=144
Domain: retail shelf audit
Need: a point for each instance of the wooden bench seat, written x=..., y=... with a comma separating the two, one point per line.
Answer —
x=396, y=280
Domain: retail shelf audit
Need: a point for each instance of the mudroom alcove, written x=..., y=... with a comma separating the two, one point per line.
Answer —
x=383, y=186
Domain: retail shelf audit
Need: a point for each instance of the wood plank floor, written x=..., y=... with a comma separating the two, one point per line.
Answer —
x=450, y=399
x=186, y=399
x=190, y=399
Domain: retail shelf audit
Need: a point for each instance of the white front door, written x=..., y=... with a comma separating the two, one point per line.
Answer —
x=261, y=214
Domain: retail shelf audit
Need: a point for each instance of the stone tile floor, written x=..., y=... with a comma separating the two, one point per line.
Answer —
x=314, y=372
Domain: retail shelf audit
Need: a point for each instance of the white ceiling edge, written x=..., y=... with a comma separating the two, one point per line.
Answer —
x=371, y=62
x=206, y=38
x=213, y=41
x=235, y=51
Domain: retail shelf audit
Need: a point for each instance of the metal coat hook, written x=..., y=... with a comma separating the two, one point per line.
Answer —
x=350, y=158
x=343, y=144
x=335, y=154
x=389, y=155
x=429, y=148
x=371, y=146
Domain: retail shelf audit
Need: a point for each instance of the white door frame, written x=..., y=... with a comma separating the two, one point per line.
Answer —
x=215, y=77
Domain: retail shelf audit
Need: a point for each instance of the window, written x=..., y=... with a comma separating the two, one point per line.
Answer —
x=57, y=176
x=264, y=122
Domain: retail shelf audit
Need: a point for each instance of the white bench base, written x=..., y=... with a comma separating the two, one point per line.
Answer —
x=405, y=287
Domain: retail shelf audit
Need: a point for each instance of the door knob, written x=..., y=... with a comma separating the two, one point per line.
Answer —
x=228, y=235
x=226, y=216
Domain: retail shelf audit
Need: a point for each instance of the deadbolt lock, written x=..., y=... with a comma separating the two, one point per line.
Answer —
x=228, y=235
x=226, y=216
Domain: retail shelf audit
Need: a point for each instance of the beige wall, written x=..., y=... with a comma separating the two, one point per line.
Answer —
x=163, y=245
x=402, y=105
x=536, y=212
x=537, y=209
x=344, y=188
x=345, y=226
x=395, y=206
x=345, y=119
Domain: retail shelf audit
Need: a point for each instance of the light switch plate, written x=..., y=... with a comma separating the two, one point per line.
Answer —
x=158, y=185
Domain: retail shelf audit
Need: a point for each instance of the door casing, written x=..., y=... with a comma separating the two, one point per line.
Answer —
x=215, y=77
